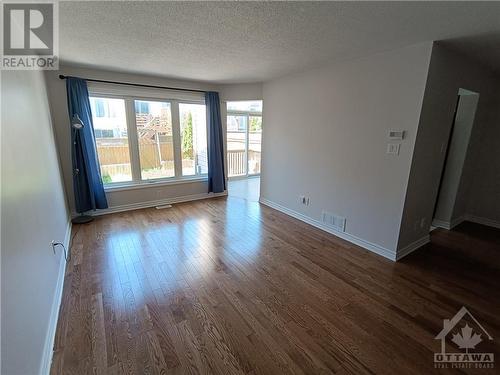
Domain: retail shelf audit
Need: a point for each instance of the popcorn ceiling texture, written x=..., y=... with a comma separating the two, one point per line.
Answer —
x=230, y=42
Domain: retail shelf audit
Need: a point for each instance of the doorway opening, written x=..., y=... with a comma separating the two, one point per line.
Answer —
x=450, y=206
x=244, y=145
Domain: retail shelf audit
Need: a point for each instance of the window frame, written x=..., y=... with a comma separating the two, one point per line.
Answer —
x=129, y=95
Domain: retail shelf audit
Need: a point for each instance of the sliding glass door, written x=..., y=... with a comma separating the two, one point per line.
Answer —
x=244, y=138
x=237, y=145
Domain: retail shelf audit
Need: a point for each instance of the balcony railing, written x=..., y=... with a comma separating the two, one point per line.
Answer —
x=236, y=162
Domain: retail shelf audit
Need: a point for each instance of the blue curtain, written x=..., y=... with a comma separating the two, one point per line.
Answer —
x=87, y=182
x=216, y=177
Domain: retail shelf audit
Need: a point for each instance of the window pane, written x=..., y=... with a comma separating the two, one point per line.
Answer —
x=254, y=144
x=236, y=141
x=193, y=139
x=154, y=133
x=245, y=106
x=110, y=129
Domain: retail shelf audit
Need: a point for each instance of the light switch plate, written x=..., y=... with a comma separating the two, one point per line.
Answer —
x=393, y=148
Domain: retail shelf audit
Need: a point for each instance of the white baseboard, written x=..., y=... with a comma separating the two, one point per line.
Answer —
x=457, y=221
x=448, y=225
x=159, y=202
x=467, y=217
x=413, y=246
x=377, y=249
x=48, y=349
x=441, y=224
x=483, y=221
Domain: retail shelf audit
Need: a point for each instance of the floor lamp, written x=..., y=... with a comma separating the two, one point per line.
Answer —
x=76, y=126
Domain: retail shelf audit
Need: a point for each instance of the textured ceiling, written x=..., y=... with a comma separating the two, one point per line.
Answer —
x=258, y=41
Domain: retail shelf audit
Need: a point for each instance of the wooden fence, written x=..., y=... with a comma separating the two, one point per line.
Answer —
x=152, y=154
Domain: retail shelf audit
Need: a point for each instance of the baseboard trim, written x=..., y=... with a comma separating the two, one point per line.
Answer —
x=413, y=246
x=467, y=217
x=457, y=221
x=483, y=221
x=441, y=224
x=159, y=202
x=448, y=225
x=377, y=249
x=48, y=349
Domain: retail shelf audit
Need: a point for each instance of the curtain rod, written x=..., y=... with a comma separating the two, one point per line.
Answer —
x=135, y=84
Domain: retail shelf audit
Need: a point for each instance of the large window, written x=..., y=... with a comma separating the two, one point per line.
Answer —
x=244, y=138
x=141, y=139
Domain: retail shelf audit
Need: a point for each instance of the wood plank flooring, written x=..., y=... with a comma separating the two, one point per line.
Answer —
x=228, y=286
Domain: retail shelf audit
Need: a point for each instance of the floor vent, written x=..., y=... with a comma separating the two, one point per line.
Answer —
x=334, y=221
x=164, y=206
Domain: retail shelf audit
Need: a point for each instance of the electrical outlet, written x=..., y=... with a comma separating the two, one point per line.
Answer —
x=304, y=200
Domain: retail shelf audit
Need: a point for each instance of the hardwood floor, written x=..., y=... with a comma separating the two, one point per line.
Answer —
x=227, y=286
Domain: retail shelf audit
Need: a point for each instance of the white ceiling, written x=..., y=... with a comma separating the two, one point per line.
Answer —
x=257, y=41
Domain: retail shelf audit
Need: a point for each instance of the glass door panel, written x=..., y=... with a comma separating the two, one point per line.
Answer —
x=254, y=144
x=236, y=145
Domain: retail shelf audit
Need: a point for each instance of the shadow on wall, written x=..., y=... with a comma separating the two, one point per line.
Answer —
x=450, y=206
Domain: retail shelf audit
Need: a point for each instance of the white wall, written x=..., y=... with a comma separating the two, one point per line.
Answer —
x=448, y=72
x=483, y=185
x=450, y=206
x=325, y=136
x=33, y=214
x=57, y=96
x=244, y=91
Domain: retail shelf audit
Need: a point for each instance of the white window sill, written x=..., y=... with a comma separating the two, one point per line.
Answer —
x=151, y=184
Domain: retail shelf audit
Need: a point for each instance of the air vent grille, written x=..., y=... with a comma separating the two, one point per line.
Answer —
x=335, y=221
